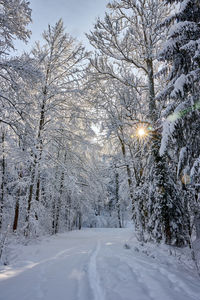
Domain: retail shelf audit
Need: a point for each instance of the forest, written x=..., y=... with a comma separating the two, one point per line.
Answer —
x=98, y=138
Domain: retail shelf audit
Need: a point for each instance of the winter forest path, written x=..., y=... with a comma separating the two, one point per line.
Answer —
x=93, y=264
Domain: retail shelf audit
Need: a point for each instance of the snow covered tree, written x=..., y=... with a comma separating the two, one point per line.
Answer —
x=127, y=42
x=129, y=38
x=16, y=73
x=59, y=60
x=47, y=181
x=15, y=16
x=116, y=107
x=180, y=134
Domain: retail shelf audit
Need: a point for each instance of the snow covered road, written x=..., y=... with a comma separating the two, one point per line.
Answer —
x=93, y=264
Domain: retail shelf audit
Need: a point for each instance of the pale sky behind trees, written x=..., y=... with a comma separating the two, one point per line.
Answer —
x=78, y=15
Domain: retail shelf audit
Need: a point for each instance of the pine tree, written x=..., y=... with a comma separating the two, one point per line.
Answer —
x=181, y=129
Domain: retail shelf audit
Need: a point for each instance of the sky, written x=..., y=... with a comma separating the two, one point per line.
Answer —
x=78, y=15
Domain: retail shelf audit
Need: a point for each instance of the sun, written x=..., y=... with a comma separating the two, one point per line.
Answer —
x=141, y=132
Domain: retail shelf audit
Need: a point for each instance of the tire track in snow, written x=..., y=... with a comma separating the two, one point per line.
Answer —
x=155, y=288
x=42, y=280
x=179, y=284
x=94, y=277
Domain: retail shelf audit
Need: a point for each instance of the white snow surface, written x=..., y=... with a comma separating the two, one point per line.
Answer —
x=96, y=264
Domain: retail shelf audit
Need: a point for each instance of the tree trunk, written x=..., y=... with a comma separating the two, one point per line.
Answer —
x=40, y=147
x=30, y=197
x=153, y=114
x=60, y=198
x=197, y=224
x=16, y=217
x=128, y=170
x=59, y=203
x=3, y=166
x=79, y=220
x=117, y=197
x=53, y=215
x=68, y=212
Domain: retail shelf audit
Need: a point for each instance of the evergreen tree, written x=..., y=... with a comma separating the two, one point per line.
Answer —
x=181, y=128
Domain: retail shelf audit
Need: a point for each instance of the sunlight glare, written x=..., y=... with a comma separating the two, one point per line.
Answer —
x=141, y=132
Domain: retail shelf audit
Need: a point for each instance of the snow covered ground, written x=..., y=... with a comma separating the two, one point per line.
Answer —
x=94, y=264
